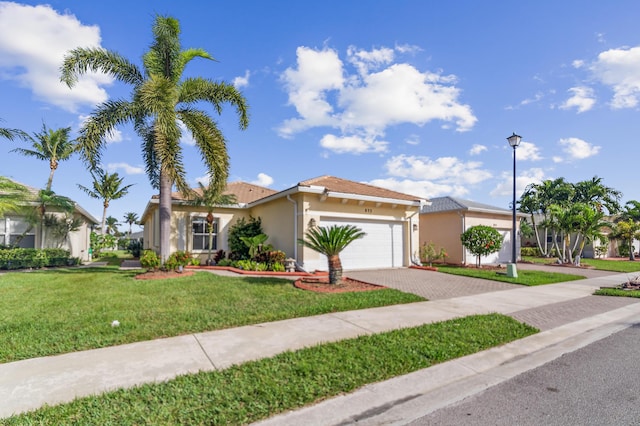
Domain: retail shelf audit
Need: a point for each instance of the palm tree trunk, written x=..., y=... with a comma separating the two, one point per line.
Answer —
x=165, y=215
x=103, y=226
x=335, y=269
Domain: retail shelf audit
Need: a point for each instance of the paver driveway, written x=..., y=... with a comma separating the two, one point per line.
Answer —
x=429, y=284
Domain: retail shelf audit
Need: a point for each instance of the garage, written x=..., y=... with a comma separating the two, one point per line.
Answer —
x=381, y=247
x=503, y=256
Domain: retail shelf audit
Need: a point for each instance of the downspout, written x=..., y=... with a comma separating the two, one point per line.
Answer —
x=464, y=251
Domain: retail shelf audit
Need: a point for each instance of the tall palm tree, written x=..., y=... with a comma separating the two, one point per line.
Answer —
x=210, y=197
x=12, y=195
x=112, y=226
x=130, y=218
x=161, y=98
x=106, y=187
x=50, y=145
x=330, y=242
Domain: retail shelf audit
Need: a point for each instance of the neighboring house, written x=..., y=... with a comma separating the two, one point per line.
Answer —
x=13, y=226
x=446, y=218
x=389, y=218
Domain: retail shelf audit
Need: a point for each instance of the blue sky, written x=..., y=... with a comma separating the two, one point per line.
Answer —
x=416, y=96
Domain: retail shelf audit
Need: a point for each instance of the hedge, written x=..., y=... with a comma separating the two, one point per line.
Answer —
x=24, y=258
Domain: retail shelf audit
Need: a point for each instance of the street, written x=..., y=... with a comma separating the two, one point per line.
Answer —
x=596, y=385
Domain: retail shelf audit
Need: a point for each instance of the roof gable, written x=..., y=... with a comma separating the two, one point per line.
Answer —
x=334, y=184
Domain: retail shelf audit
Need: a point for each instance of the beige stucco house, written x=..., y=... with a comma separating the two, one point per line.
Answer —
x=389, y=218
x=14, y=226
x=446, y=218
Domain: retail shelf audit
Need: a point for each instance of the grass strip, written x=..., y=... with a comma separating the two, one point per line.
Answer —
x=613, y=265
x=256, y=390
x=525, y=277
x=617, y=292
x=65, y=310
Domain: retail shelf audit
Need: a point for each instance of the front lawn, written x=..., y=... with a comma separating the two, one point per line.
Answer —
x=613, y=265
x=52, y=312
x=525, y=277
x=255, y=390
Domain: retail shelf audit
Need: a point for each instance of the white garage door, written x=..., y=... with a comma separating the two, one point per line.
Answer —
x=503, y=256
x=382, y=247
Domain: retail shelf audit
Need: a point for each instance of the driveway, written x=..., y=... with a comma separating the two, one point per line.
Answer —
x=429, y=284
x=436, y=285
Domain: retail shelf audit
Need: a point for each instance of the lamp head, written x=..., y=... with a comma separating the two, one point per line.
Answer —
x=514, y=140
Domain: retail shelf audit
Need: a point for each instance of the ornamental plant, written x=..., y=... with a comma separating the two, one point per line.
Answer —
x=149, y=260
x=429, y=253
x=481, y=240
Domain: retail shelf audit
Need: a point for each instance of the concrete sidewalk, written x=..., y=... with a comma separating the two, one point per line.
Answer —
x=29, y=384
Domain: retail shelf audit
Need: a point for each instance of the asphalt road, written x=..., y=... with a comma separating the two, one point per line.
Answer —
x=596, y=385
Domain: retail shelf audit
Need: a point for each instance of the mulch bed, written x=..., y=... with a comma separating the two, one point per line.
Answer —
x=320, y=285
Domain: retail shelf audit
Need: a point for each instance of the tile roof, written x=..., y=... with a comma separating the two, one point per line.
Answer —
x=444, y=204
x=245, y=192
x=334, y=184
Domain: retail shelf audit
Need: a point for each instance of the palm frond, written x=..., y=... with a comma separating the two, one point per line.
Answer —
x=83, y=59
x=216, y=93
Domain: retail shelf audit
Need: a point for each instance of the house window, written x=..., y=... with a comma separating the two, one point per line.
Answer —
x=200, y=234
x=18, y=232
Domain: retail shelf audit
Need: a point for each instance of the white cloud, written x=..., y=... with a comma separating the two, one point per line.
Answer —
x=413, y=140
x=527, y=177
x=352, y=144
x=477, y=149
x=583, y=99
x=620, y=70
x=263, y=180
x=33, y=42
x=325, y=94
x=576, y=149
x=240, y=82
x=186, y=137
x=449, y=170
x=203, y=180
x=528, y=151
x=126, y=168
x=578, y=63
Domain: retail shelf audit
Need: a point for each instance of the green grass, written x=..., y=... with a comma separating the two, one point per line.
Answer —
x=525, y=277
x=256, y=390
x=113, y=258
x=617, y=292
x=613, y=265
x=601, y=264
x=65, y=310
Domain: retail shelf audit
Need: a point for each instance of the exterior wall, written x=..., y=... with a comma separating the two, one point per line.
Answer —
x=278, y=221
x=443, y=230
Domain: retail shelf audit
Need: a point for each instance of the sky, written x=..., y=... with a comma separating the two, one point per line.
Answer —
x=411, y=95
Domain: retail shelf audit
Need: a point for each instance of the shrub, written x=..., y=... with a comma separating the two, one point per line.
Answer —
x=243, y=228
x=21, y=258
x=530, y=251
x=277, y=267
x=481, y=240
x=176, y=259
x=149, y=260
x=135, y=248
x=275, y=256
x=219, y=256
x=224, y=262
x=429, y=253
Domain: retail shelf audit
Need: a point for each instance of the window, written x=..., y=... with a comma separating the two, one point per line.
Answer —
x=17, y=232
x=200, y=234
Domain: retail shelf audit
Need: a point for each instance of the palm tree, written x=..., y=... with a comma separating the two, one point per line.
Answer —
x=112, y=226
x=130, y=218
x=330, y=242
x=50, y=145
x=210, y=197
x=106, y=187
x=12, y=195
x=161, y=98
x=11, y=134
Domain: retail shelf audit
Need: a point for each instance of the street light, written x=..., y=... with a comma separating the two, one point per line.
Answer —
x=514, y=141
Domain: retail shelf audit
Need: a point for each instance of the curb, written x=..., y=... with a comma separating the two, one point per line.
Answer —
x=403, y=399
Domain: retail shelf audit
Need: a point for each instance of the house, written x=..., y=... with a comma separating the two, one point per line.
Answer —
x=446, y=218
x=389, y=218
x=14, y=227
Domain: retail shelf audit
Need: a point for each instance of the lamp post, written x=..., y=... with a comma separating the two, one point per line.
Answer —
x=514, y=141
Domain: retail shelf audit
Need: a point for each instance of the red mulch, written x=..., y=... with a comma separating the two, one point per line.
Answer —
x=346, y=285
x=161, y=275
